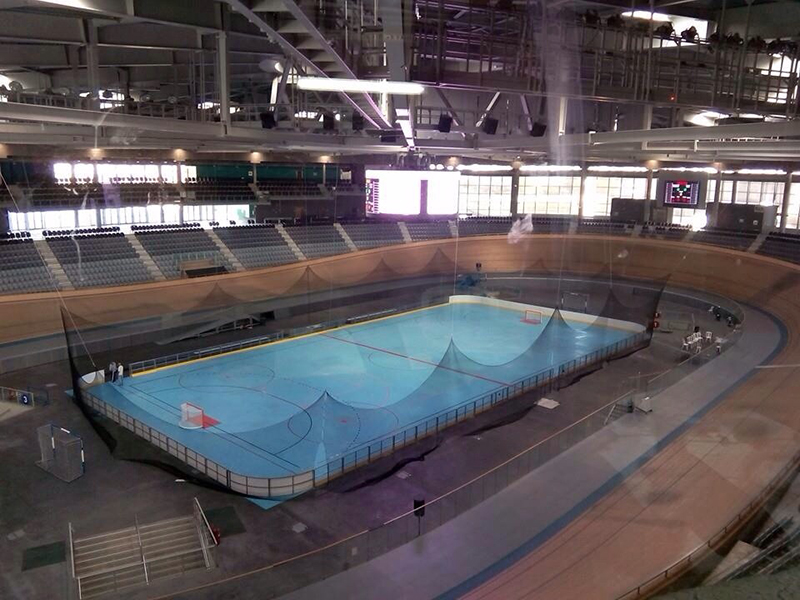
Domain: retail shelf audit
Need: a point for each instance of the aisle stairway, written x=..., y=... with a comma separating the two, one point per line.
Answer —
x=137, y=555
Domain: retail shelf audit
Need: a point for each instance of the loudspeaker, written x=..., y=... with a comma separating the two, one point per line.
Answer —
x=538, y=129
x=489, y=126
x=445, y=123
x=358, y=122
x=419, y=507
x=328, y=122
x=268, y=120
x=388, y=138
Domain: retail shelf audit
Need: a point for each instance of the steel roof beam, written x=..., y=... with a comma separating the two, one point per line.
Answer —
x=299, y=58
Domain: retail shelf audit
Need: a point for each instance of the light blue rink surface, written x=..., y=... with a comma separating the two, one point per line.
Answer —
x=291, y=406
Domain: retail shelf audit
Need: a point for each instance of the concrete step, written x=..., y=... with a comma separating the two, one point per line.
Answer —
x=176, y=565
x=53, y=265
x=345, y=237
x=106, y=552
x=290, y=242
x=129, y=557
x=144, y=256
x=404, y=231
x=226, y=252
x=111, y=582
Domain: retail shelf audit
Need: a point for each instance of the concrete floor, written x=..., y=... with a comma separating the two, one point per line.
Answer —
x=35, y=508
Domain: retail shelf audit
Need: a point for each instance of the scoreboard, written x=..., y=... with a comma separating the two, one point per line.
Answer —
x=682, y=193
x=681, y=190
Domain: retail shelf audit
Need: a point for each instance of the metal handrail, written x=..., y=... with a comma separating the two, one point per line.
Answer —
x=141, y=548
x=677, y=567
x=205, y=520
x=71, y=549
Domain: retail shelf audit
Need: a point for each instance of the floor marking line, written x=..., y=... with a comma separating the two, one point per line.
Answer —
x=419, y=360
x=795, y=366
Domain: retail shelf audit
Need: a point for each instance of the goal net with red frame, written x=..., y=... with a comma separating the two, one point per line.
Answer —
x=532, y=316
x=192, y=417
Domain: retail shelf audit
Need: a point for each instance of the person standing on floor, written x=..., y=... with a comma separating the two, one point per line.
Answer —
x=120, y=373
x=112, y=371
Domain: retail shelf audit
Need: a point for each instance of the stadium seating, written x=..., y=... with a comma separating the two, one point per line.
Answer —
x=667, y=231
x=428, y=231
x=315, y=241
x=604, y=227
x=782, y=245
x=550, y=224
x=106, y=257
x=211, y=191
x=372, y=235
x=289, y=188
x=22, y=268
x=172, y=246
x=102, y=259
x=737, y=240
x=51, y=194
x=256, y=245
x=484, y=226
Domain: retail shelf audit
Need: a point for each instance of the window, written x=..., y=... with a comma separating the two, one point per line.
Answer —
x=188, y=172
x=484, y=196
x=764, y=193
x=793, y=215
x=87, y=218
x=62, y=172
x=83, y=171
x=59, y=219
x=169, y=173
x=599, y=192
x=172, y=213
x=549, y=195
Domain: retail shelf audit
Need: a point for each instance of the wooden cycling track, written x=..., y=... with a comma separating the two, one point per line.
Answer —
x=676, y=501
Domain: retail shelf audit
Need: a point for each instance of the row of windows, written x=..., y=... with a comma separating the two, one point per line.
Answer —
x=490, y=195
x=152, y=214
x=135, y=173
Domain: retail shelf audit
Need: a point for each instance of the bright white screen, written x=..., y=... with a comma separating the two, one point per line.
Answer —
x=399, y=191
x=443, y=192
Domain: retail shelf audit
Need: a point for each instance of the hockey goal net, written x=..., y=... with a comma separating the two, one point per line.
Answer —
x=192, y=417
x=534, y=317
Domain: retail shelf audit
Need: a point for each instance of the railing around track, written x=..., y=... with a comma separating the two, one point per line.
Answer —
x=699, y=552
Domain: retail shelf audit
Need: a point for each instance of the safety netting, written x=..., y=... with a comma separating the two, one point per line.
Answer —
x=306, y=298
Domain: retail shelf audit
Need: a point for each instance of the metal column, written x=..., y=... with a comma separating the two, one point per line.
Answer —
x=787, y=191
x=648, y=194
x=223, y=78
x=92, y=65
x=717, y=196
x=514, y=192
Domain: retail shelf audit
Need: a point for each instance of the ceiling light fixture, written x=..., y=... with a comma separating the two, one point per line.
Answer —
x=366, y=86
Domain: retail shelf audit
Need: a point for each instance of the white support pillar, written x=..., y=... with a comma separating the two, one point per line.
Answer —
x=391, y=12
x=648, y=193
x=92, y=64
x=515, y=192
x=223, y=78
x=787, y=192
x=647, y=120
x=717, y=197
x=562, y=115
x=581, y=191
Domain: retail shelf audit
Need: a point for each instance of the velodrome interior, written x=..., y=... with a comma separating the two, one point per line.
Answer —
x=187, y=187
